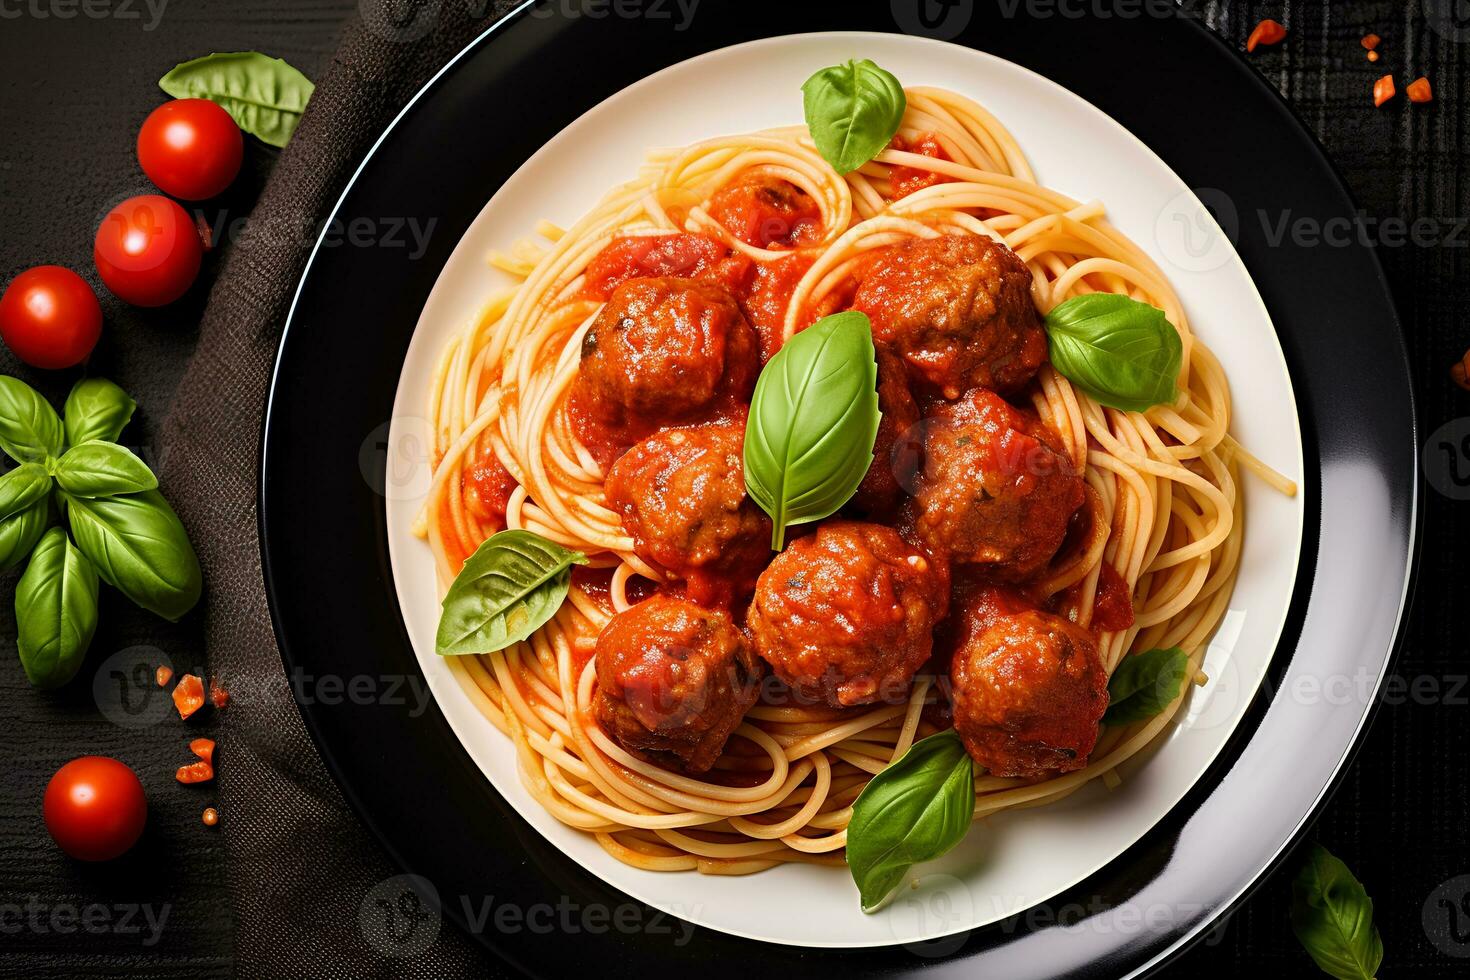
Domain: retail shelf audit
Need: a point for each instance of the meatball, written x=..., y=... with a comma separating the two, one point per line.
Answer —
x=958, y=309
x=995, y=488
x=674, y=679
x=681, y=496
x=878, y=494
x=664, y=351
x=845, y=616
x=1028, y=687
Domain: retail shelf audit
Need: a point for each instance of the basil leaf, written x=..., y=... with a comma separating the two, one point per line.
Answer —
x=852, y=110
x=1145, y=684
x=20, y=531
x=29, y=427
x=140, y=548
x=55, y=611
x=1124, y=353
x=513, y=583
x=915, y=810
x=813, y=421
x=96, y=409
x=264, y=95
x=1332, y=917
x=22, y=487
x=102, y=469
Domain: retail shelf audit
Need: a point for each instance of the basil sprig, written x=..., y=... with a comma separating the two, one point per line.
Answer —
x=1124, y=353
x=852, y=110
x=915, y=810
x=264, y=95
x=1145, y=684
x=813, y=422
x=1332, y=917
x=58, y=593
x=122, y=530
x=513, y=583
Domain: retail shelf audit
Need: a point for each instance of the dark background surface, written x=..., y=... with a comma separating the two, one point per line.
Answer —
x=75, y=90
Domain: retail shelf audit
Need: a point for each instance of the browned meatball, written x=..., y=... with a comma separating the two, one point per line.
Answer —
x=674, y=679
x=663, y=351
x=958, y=309
x=845, y=616
x=681, y=496
x=995, y=488
x=879, y=493
x=1028, y=686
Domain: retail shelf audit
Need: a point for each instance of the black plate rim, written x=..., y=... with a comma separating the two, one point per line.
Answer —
x=1162, y=952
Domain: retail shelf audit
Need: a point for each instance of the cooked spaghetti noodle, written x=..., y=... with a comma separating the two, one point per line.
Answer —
x=1162, y=487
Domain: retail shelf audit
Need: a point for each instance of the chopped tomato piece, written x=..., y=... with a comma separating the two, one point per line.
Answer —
x=163, y=675
x=1267, y=32
x=1371, y=41
x=195, y=772
x=1460, y=371
x=218, y=696
x=488, y=486
x=210, y=816
x=1383, y=90
x=684, y=255
x=1372, y=55
x=1419, y=91
x=203, y=748
x=904, y=181
x=189, y=695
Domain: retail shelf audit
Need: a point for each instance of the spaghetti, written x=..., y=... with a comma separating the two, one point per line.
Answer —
x=1162, y=485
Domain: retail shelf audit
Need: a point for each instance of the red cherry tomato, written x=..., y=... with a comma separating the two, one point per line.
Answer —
x=95, y=808
x=190, y=148
x=148, y=250
x=50, y=317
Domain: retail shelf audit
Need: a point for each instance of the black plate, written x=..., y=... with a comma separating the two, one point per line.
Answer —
x=1216, y=122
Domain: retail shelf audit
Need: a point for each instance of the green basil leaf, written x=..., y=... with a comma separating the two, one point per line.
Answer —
x=55, y=611
x=96, y=409
x=29, y=427
x=102, y=469
x=264, y=95
x=1332, y=917
x=1124, y=353
x=813, y=421
x=915, y=810
x=1145, y=684
x=22, y=487
x=20, y=531
x=140, y=548
x=852, y=110
x=513, y=583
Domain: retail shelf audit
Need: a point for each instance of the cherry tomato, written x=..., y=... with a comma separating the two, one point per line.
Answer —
x=95, y=808
x=50, y=317
x=148, y=250
x=190, y=148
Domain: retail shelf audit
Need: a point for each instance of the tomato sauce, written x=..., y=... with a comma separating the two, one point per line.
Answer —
x=1112, y=608
x=767, y=213
x=681, y=254
x=769, y=295
x=487, y=488
x=904, y=181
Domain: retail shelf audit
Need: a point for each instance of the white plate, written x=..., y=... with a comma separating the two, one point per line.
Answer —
x=1015, y=859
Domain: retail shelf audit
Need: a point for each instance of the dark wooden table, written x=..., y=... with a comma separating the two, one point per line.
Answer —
x=79, y=79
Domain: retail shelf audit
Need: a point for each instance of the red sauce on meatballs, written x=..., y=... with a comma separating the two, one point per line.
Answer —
x=847, y=615
x=995, y=488
x=958, y=310
x=674, y=679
